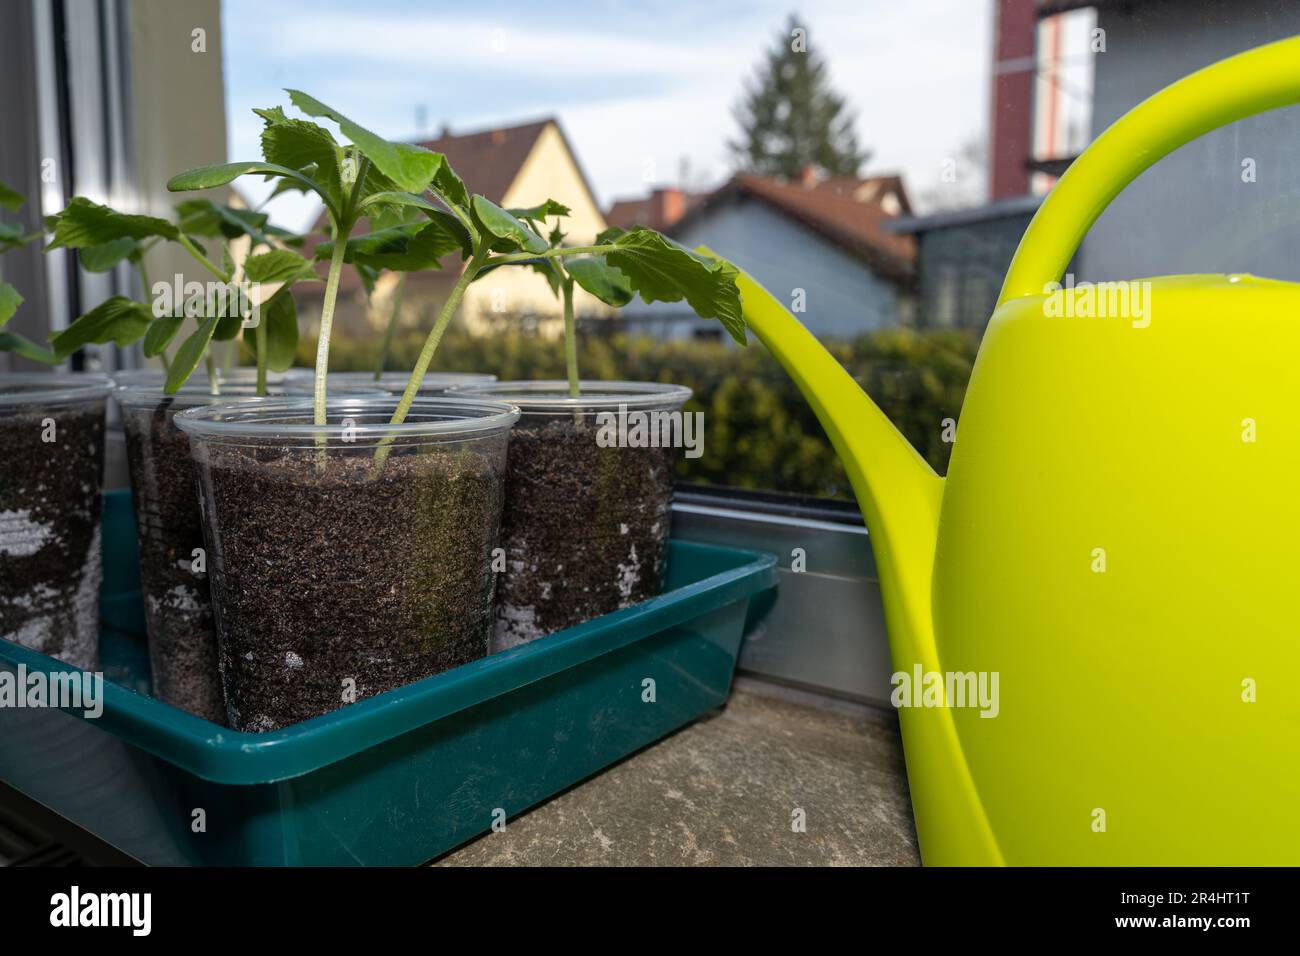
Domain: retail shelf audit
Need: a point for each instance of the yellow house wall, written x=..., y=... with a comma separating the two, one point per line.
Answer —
x=549, y=172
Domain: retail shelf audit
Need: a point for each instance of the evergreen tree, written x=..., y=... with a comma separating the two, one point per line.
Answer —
x=791, y=118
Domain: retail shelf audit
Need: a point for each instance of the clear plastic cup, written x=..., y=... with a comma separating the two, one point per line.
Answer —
x=301, y=381
x=169, y=531
x=52, y=435
x=351, y=558
x=587, y=515
x=242, y=375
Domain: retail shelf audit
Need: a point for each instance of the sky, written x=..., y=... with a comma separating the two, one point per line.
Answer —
x=644, y=90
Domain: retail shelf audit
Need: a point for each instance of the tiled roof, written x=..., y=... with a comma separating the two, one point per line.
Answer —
x=858, y=227
x=867, y=190
x=626, y=213
x=490, y=160
x=659, y=210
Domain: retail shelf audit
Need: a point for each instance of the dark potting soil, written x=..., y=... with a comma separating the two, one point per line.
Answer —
x=178, y=611
x=331, y=586
x=585, y=528
x=50, y=501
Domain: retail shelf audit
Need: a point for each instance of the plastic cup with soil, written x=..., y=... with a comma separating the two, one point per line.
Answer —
x=586, y=522
x=52, y=436
x=339, y=570
x=169, y=529
x=301, y=381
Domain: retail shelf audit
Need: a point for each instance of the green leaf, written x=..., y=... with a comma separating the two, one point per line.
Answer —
x=11, y=198
x=13, y=235
x=205, y=177
x=376, y=182
x=546, y=269
x=203, y=217
x=298, y=144
x=451, y=187
x=279, y=265
x=399, y=199
x=411, y=168
x=293, y=185
x=660, y=270
x=228, y=327
x=601, y=279
x=103, y=257
x=449, y=223
x=10, y=300
x=189, y=354
x=118, y=319
x=383, y=216
x=369, y=275
x=226, y=302
x=84, y=223
x=407, y=248
x=21, y=345
x=541, y=211
x=281, y=318
x=505, y=226
x=160, y=333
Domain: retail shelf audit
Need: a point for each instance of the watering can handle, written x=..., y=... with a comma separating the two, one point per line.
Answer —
x=1258, y=80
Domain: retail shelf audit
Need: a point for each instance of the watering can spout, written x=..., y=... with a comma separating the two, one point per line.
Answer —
x=897, y=490
x=900, y=497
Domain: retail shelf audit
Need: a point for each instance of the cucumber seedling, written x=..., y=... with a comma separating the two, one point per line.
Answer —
x=382, y=182
x=105, y=237
x=13, y=235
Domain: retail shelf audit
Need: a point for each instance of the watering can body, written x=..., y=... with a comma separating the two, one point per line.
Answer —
x=1118, y=540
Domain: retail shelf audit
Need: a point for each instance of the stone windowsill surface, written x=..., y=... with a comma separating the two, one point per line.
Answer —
x=725, y=791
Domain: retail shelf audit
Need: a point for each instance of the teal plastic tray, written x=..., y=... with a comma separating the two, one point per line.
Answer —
x=395, y=779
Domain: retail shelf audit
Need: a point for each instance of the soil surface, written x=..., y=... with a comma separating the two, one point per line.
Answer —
x=50, y=501
x=585, y=528
x=178, y=611
x=331, y=586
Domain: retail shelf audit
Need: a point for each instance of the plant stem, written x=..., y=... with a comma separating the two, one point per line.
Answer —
x=553, y=253
x=211, y=365
x=430, y=346
x=193, y=250
x=392, y=326
x=327, y=322
x=143, y=272
x=259, y=336
x=570, y=338
x=435, y=333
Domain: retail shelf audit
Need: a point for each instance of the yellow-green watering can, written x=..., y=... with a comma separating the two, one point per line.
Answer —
x=1118, y=539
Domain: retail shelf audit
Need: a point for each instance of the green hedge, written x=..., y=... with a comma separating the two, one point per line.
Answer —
x=759, y=431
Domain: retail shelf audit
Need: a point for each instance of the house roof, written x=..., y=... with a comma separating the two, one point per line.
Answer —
x=490, y=160
x=629, y=212
x=659, y=210
x=858, y=227
x=870, y=189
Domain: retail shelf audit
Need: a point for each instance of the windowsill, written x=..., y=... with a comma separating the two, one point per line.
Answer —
x=723, y=792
